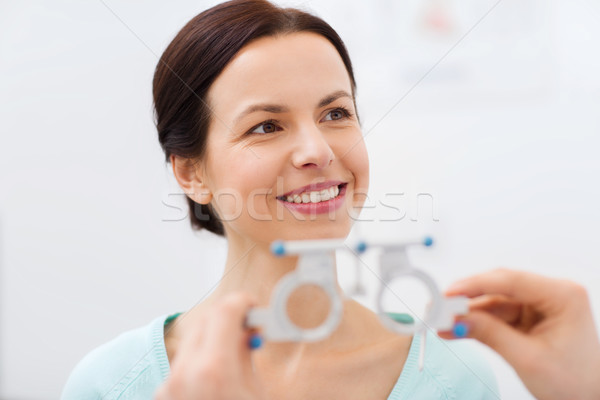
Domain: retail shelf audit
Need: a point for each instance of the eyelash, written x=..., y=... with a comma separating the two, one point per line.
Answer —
x=346, y=114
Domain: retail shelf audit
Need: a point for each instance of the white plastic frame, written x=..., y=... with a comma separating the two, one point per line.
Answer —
x=315, y=267
x=441, y=312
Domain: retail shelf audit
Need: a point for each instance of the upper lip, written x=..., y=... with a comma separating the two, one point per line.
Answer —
x=313, y=187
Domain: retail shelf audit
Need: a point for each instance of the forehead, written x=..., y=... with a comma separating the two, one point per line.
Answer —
x=292, y=69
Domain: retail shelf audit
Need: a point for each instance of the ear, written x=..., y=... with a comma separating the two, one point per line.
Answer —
x=189, y=175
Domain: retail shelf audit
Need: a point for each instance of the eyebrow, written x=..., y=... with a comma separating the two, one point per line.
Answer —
x=276, y=109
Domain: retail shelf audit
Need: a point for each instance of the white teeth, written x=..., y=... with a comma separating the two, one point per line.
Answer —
x=314, y=197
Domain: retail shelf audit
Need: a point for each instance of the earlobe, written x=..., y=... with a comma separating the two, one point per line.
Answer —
x=202, y=195
x=189, y=178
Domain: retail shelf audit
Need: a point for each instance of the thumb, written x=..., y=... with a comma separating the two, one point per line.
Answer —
x=162, y=393
x=512, y=345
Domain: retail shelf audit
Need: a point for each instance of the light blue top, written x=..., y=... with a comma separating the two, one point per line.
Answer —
x=134, y=365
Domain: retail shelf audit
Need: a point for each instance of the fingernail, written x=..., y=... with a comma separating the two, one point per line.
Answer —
x=460, y=330
x=255, y=342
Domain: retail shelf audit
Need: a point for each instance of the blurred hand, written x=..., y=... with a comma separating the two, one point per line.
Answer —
x=543, y=327
x=213, y=362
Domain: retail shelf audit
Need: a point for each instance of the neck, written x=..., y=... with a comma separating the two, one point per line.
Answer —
x=252, y=268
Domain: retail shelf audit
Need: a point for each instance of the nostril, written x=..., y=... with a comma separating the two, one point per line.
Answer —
x=309, y=155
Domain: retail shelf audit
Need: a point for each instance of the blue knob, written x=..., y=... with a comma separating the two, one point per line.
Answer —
x=255, y=342
x=278, y=248
x=460, y=330
x=361, y=247
x=428, y=241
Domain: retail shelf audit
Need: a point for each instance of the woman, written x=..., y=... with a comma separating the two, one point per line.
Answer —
x=256, y=112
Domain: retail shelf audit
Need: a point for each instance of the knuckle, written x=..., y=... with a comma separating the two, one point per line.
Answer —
x=234, y=302
x=503, y=273
x=161, y=393
x=212, y=372
x=172, y=389
x=482, y=332
x=577, y=291
x=530, y=363
x=536, y=361
x=229, y=305
x=506, y=277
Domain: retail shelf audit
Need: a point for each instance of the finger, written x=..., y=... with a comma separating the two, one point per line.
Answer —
x=497, y=305
x=250, y=343
x=515, y=347
x=192, y=340
x=500, y=306
x=225, y=328
x=521, y=286
x=162, y=393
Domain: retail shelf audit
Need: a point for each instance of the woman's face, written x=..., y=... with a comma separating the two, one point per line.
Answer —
x=284, y=119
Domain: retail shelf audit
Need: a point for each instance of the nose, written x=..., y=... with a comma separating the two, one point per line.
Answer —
x=312, y=149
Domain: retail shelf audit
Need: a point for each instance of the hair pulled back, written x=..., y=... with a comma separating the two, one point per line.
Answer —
x=196, y=57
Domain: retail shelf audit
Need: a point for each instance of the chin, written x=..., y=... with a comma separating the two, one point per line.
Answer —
x=337, y=230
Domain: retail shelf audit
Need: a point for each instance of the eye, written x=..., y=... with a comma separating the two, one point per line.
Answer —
x=265, y=127
x=338, y=113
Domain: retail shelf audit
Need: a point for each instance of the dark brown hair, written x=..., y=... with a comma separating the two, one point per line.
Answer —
x=196, y=57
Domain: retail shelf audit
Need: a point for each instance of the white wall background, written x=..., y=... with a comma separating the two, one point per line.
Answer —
x=497, y=117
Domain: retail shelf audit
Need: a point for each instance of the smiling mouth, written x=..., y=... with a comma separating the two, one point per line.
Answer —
x=314, y=196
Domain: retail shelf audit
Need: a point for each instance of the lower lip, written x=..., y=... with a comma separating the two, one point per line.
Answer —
x=318, y=208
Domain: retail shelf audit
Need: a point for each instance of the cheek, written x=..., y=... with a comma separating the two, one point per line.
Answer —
x=229, y=203
x=364, y=165
x=246, y=183
x=358, y=159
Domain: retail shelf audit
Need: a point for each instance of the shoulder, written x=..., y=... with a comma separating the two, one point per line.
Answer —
x=469, y=373
x=452, y=369
x=134, y=360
